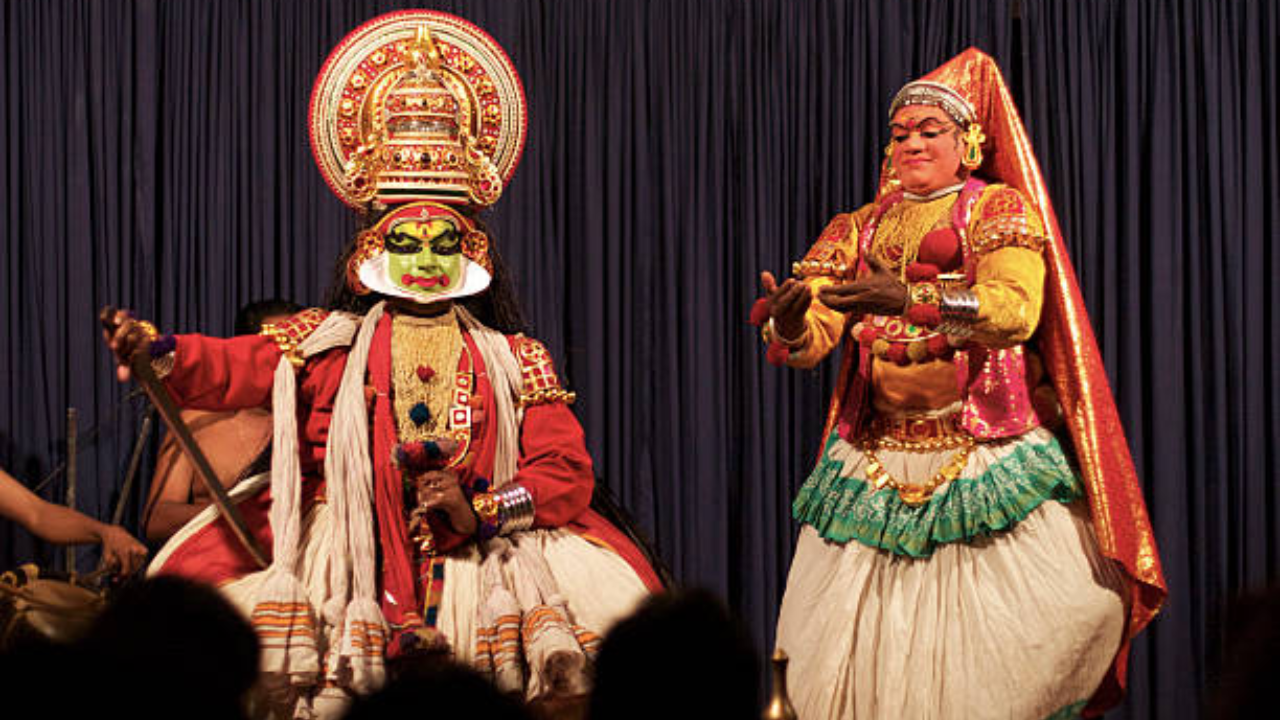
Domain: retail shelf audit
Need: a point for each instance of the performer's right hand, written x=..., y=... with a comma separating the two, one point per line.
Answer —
x=787, y=304
x=125, y=335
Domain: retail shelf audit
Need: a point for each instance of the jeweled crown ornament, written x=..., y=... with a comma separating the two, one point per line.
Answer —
x=418, y=105
x=422, y=149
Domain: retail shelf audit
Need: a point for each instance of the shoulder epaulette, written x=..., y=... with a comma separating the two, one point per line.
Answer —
x=834, y=252
x=290, y=333
x=540, y=384
x=1004, y=218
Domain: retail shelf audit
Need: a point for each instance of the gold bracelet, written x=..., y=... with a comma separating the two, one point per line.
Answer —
x=487, y=510
x=149, y=331
x=923, y=293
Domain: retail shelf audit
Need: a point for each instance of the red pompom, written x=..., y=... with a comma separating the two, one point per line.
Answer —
x=921, y=272
x=938, y=345
x=415, y=455
x=924, y=315
x=941, y=248
x=760, y=312
x=898, y=354
x=777, y=354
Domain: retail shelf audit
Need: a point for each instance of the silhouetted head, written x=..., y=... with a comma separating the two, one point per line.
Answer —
x=681, y=655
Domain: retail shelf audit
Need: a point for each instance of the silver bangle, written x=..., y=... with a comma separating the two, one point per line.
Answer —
x=959, y=309
x=776, y=335
x=515, y=509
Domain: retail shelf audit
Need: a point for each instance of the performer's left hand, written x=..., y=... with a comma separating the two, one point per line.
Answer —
x=439, y=490
x=880, y=293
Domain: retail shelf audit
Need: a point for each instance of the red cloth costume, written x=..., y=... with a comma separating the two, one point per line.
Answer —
x=225, y=374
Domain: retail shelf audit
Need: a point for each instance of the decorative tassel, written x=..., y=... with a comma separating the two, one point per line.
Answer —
x=282, y=615
x=425, y=373
x=420, y=414
x=760, y=312
x=777, y=354
x=499, y=616
x=557, y=664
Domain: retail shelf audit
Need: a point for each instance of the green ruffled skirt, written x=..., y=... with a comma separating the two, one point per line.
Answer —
x=1001, y=485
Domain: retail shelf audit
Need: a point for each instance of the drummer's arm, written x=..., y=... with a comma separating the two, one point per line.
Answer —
x=62, y=525
x=171, y=504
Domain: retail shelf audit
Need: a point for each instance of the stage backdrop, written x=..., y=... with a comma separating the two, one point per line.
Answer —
x=156, y=156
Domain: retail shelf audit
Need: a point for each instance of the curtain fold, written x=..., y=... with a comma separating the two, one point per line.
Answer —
x=157, y=157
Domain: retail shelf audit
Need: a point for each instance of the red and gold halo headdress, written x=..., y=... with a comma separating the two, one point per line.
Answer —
x=1066, y=341
x=418, y=105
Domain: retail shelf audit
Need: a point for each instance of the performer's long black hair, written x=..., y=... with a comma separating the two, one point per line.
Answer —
x=497, y=307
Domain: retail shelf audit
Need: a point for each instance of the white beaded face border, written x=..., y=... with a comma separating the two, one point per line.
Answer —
x=373, y=273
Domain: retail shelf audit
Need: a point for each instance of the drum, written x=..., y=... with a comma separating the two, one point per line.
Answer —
x=37, y=607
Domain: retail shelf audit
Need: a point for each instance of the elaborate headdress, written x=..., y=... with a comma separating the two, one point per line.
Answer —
x=970, y=85
x=425, y=108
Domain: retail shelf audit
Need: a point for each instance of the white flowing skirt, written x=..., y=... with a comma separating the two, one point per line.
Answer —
x=591, y=584
x=1021, y=623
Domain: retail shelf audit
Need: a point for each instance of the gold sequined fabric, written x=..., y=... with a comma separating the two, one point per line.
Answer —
x=434, y=343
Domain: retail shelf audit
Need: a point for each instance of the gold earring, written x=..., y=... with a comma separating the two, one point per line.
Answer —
x=973, y=139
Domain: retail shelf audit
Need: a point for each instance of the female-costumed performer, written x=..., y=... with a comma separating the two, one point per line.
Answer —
x=952, y=561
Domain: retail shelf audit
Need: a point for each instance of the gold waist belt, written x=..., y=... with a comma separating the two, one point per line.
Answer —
x=918, y=433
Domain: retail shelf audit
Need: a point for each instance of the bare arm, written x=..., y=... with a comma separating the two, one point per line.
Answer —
x=170, y=505
x=62, y=525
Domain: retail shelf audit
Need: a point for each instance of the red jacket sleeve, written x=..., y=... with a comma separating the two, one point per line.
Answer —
x=223, y=373
x=554, y=465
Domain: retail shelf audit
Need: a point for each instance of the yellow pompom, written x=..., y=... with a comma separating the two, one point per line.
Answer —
x=918, y=351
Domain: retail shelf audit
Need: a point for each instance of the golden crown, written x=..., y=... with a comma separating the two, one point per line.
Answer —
x=418, y=105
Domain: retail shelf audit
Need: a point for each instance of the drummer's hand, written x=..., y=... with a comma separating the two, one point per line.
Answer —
x=120, y=551
x=787, y=304
x=124, y=335
x=880, y=293
x=439, y=490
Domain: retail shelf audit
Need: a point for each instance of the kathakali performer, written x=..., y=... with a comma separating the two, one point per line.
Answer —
x=429, y=484
x=957, y=558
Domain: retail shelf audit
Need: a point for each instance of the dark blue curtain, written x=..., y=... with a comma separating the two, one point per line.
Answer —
x=157, y=157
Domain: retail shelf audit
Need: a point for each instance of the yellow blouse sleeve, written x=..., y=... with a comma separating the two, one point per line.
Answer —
x=838, y=245
x=1008, y=238
x=1010, y=290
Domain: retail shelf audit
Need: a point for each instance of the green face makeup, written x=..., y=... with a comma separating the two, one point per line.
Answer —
x=425, y=257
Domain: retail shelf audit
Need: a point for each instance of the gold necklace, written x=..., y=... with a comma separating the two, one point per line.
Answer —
x=903, y=226
x=915, y=495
